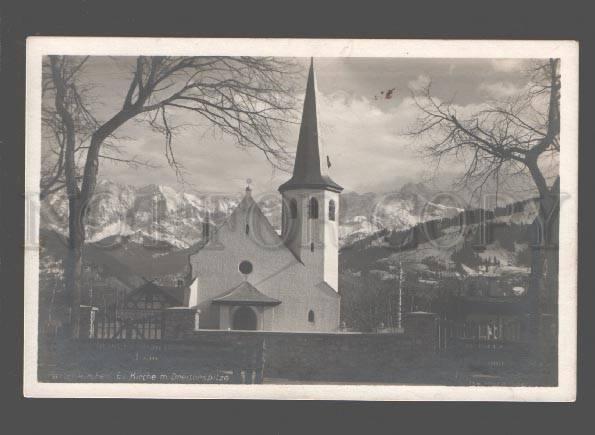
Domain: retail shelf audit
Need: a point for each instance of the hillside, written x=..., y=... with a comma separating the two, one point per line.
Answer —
x=365, y=214
x=440, y=244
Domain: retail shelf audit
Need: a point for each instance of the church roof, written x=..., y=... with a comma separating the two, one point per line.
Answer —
x=310, y=168
x=258, y=220
x=246, y=294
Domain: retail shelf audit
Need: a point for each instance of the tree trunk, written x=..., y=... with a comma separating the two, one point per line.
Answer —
x=543, y=287
x=78, y=203
x=76, y=235
x=74, y=263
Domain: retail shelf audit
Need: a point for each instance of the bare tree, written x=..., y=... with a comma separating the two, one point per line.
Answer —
x=505, y=138
x=247, y=98
x=515, y=136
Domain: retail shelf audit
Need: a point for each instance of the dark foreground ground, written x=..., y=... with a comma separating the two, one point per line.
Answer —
x=189, y=362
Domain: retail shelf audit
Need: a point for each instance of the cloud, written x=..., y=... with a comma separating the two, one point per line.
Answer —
x=364, y=140
x=499, y=90
x=366, y=143
x=363, y=137
x=419, y=83
x=507, y=65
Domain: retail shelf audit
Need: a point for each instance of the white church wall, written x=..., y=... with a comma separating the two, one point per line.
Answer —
x=322, y=232
x=331, y=240
x=276, y=273
x=193, y=296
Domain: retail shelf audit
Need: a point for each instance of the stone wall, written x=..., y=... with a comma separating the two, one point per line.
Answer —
x=321, y=355
x=328, y=356
x=364, y=357
x=188, y=356
x=179, y=322
x=423, y=329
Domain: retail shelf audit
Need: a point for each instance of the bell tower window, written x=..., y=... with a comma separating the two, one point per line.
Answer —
x=311, y=316
x=313, y=209
x=331, y=210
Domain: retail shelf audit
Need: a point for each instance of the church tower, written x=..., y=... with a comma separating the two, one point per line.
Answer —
x=311, y=198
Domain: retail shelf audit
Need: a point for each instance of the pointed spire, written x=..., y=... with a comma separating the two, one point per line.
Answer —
x=310, y=169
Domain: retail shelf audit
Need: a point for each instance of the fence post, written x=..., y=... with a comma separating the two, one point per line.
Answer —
x=261, y=361
x=87, y=321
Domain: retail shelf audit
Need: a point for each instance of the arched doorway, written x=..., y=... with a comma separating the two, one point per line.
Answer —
x=244, y=319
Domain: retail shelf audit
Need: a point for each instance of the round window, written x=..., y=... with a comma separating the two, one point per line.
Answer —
x=246, y=267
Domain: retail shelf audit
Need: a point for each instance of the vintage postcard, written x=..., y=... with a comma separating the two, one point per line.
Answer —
x=301, y=219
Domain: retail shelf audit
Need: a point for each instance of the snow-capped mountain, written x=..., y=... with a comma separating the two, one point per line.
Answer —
x=161, y=213
x=503, y=238
x=152, y=212
x=363, y=214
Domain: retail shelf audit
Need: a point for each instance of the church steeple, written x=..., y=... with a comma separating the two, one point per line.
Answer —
x=311, y=199
x=310, y=168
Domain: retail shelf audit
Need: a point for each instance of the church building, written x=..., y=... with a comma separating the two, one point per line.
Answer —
x=248, y=277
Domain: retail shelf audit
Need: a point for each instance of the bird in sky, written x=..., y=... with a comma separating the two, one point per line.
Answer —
x=388, y=94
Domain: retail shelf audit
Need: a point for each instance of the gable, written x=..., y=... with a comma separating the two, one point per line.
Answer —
x=246, y=229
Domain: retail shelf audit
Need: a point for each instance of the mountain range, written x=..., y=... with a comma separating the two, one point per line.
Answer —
x=157, y=212
x=413, y=229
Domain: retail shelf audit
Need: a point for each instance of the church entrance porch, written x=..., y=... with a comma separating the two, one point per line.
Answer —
x=244, y=319
x=245, y=308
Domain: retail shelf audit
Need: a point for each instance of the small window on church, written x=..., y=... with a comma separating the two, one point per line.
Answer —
x=293, y=208
x=180, y=283
x=246, y=267
x=247, y=229
x=311, y=316
x=313, y=209
x=331, y=210
x=312, y=247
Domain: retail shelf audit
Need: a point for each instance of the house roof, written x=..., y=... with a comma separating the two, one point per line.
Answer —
x=310, y=168
x=493, y=305
x=178, y=293
x=245, y=294
x=175, y=294
x=143, y=261
x=116, y=268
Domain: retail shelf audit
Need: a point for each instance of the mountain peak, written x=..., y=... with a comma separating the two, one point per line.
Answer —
x=419, y=189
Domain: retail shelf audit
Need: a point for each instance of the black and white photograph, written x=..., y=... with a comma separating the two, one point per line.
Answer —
x=301, y=219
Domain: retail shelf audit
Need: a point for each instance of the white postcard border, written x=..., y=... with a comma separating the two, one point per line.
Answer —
x=567, y=51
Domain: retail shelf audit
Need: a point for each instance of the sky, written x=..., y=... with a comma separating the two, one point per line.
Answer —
x=363, y=135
